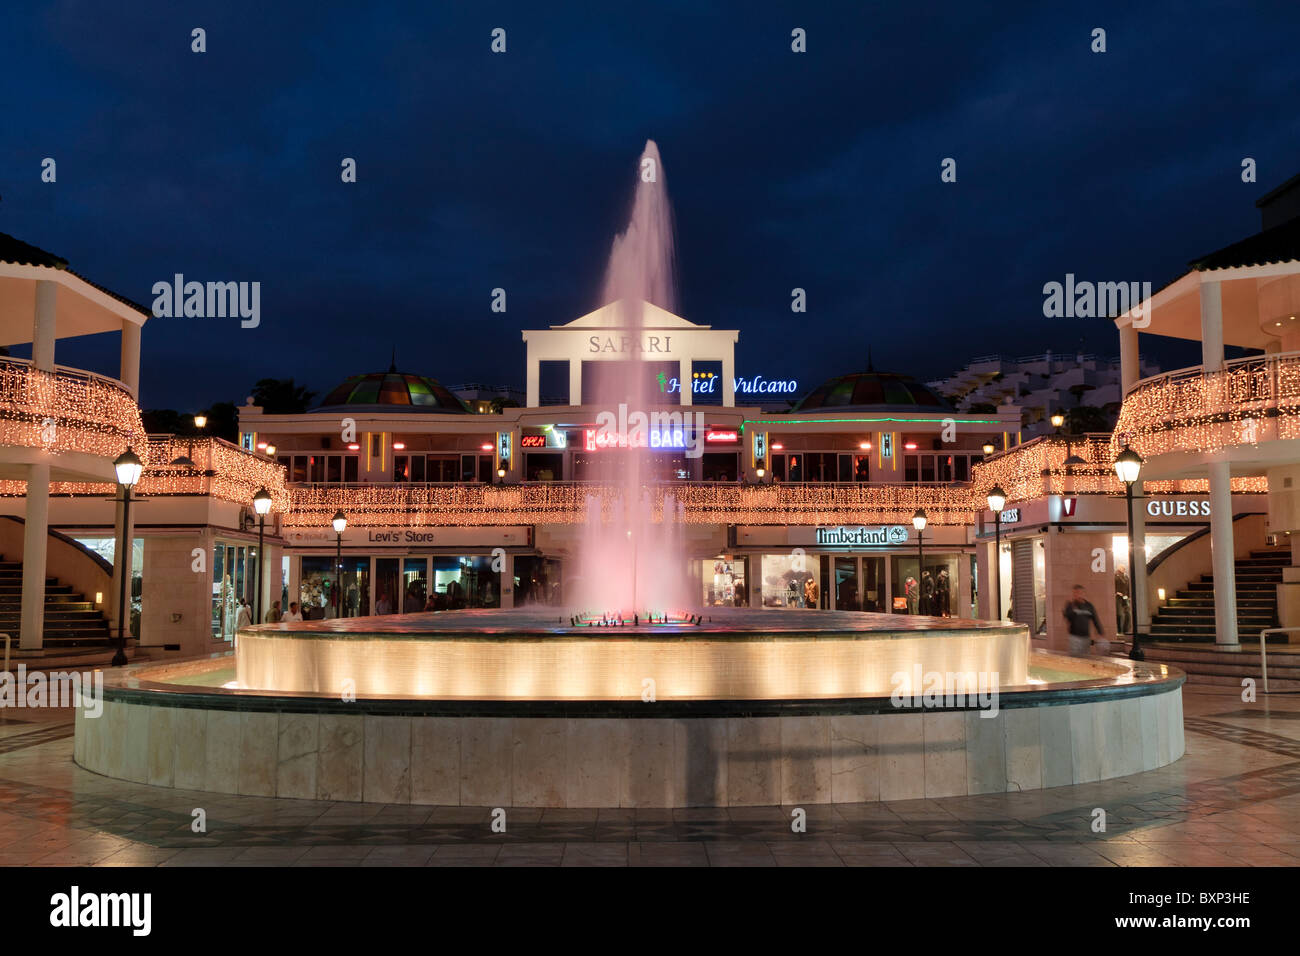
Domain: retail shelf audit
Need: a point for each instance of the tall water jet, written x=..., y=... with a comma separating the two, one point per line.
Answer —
x=632, y=559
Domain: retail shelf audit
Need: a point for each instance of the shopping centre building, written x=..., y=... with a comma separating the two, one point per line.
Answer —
x=810, y=505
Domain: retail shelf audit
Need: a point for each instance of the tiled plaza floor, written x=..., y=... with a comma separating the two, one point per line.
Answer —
x=1233, y=800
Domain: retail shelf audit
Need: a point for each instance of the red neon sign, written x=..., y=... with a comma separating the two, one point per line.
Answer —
x=720, y=435
x=532, y=441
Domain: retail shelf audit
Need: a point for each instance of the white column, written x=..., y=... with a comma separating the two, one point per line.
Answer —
x=129, y=373
x=1130, y=366
x=684, y=371
x=43, y=330
x=1211, y=326
x=729, y=379
x=1141, y=601
x=534, y=383
x=575, y=381
x=1222, y=556
x=961, y=599
x=507, y=581
x=31, y=632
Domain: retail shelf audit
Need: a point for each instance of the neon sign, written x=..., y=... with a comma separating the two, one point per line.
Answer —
x=721, y=436
x=600, y=438
x=532, y=441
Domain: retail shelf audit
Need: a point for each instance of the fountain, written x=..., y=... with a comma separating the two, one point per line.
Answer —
x=633, y=697
x=630, y=564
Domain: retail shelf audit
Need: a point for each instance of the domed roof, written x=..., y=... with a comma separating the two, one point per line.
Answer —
x=873, y=391
x=394, y=391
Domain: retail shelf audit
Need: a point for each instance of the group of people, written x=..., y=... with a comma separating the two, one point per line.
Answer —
x=932, y=595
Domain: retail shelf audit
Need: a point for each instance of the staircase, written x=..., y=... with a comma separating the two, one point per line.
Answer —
x=1189, y=615
x=70, y=620
x=1211, y=666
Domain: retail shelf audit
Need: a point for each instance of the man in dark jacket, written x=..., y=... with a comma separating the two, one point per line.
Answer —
x=1081, y=616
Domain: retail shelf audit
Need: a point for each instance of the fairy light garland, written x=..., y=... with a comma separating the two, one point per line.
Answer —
x=1210, y=412
x=221, y=470
x=61, y=413
x=1037, y=469
x=567, y=503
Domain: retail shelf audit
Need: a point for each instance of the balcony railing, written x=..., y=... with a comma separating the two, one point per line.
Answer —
x=66, y=410
x=219, y=470
x=553, y=502
x=1038, y=468
x=1246, y=402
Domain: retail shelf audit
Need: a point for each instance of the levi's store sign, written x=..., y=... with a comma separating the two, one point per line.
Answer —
x=1158, y=508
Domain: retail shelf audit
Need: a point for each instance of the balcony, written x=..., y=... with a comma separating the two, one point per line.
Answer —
x=219, y=470
x=1240, y=408
x=1038, y=469
x=67, y=413
x=552, y=502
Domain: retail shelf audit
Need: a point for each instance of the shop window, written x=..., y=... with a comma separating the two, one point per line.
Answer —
x=778, y=468
x=417, y=468
x=401, y=468
x=791, y=580
x=486, y=474
x=545, y=466
x=537, y=580
x=720, y=466
x=724, y=582
x=333, y=469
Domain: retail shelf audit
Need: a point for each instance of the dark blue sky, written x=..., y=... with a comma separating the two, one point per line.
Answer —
x=477, y=170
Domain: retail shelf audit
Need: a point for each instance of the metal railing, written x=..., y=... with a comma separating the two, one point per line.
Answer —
x=1263, y=649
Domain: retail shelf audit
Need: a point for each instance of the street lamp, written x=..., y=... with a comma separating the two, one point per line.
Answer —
x=1128, y=465
x=919, y=521
x=1057, y=421
x=128, y=467
x=988, y=448
x=760, y=469
x=262, y=505
x=997, y=501
x=340, y=522
x=200, y=421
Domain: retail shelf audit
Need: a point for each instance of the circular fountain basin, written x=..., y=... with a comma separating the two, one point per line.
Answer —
x=518, y=708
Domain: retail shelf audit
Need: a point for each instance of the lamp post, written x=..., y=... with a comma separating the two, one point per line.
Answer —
x=128, y=467
x=1057, y=421
x=262, y=505
x=997, y=501
x=501, y=472
x=988, y=448
x=919, y=521
x=340, y=522
x=1128, y=465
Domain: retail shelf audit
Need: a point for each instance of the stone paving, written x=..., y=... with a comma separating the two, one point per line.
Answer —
x=1233, y=800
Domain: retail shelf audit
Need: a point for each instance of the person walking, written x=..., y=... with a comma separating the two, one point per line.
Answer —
x=245, y=616
x=1082, y=617
x=273, y=615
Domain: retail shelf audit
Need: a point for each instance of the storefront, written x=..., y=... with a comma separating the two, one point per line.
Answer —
x=409, y=570
x=1051, y=545
x=859, y=568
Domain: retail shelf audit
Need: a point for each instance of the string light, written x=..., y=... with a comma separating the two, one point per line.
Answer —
x=220, y=469
x=1037, y=469
x=1244, y=404
x=566, y=503
x=60, y=412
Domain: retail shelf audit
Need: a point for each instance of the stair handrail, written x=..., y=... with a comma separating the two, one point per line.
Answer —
x=1263, y=652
